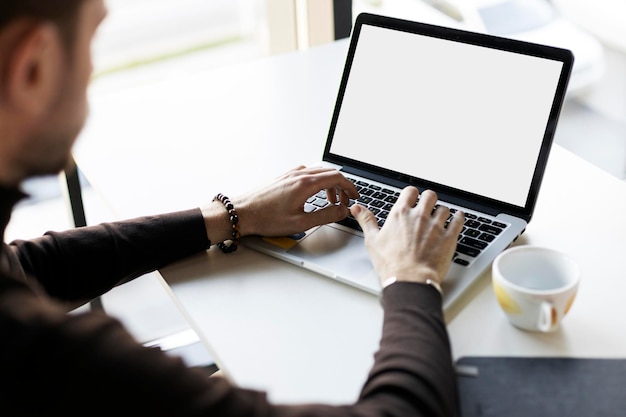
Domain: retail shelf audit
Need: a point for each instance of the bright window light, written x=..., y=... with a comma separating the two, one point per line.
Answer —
x=142, y=31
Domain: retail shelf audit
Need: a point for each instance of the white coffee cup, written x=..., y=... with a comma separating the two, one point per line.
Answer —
x=535, y=286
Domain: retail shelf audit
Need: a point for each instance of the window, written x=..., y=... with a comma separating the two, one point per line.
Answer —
x=142, y=31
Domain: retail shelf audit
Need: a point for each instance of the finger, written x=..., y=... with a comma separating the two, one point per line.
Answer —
x=351, y=192
x=332, y=179
x=441, y=214
x=366, y=219
x=331, y=195
x=408, y=197
x=347, y=187
x=456, y=224
x=427, y=202
x=344, y=198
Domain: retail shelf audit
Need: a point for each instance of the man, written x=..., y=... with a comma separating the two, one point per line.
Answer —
x=79, y=364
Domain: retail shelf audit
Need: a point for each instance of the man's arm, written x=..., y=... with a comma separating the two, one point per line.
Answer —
x=412, y=251
x=85, y=262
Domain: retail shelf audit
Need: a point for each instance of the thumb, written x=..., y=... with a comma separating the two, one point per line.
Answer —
x=366, y=219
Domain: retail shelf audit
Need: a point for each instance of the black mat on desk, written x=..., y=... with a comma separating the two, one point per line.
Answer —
x=541, y=387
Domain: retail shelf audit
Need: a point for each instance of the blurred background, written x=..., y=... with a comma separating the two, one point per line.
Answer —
x=143, y=41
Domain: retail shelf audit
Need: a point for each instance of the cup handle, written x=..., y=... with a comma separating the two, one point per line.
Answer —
x=547, y=317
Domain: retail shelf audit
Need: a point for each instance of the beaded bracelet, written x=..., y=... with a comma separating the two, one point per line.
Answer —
x=232, y=244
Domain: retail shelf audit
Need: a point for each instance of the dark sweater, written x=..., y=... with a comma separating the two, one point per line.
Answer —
x=52, y=362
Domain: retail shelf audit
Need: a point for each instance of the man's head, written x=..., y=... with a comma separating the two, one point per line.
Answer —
x=45, y=66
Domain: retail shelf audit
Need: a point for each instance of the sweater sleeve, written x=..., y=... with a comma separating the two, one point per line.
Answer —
x=414, y=361
x=85, y=262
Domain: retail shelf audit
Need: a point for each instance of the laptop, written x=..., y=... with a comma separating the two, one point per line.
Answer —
x=468, y=115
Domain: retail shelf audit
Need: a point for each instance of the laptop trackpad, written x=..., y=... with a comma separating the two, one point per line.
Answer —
x=340, y=254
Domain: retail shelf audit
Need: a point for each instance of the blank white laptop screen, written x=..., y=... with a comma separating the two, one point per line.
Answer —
x=403, y=110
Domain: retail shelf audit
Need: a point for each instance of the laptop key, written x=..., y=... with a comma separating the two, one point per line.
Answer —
x=466, y=250
x=391, y=199
x=490, y=229
x=472, y=224
x=319, y=202
x=461, y=261
x=477, y=244
x=486, y=237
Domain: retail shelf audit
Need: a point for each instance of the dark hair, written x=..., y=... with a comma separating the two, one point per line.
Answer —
x=62, y=13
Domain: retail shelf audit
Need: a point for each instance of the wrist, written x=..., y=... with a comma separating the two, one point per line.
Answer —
x=216, y=222
x=221, y=222
x=430, y=282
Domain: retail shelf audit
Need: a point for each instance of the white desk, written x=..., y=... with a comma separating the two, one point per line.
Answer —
x=173, y=145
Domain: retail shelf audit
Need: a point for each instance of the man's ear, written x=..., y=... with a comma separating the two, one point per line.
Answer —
x=34, y=68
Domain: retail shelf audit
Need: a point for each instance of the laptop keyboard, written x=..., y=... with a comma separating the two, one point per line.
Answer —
x=477, y=233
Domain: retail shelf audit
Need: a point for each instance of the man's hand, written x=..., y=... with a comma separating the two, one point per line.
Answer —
x=414, y=244
x=278, y=209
